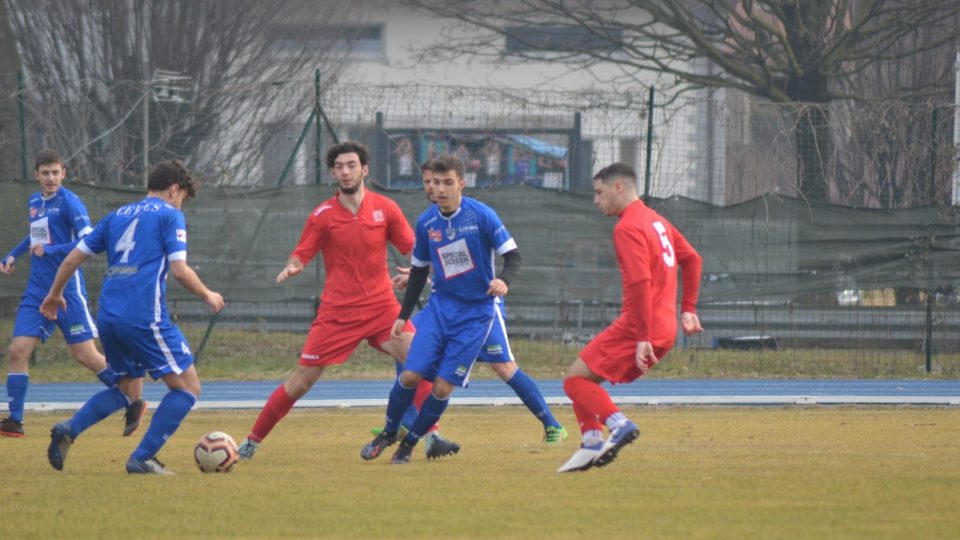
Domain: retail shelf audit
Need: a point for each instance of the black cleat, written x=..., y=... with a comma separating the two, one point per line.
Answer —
x=133, y=416
x=11, y=428
x=436, y=446
x=402, y=455
x=60, y=442
x=374, y=448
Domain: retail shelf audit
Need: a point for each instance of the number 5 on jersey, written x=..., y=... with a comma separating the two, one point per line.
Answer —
x=126, y=243
x=669, y=258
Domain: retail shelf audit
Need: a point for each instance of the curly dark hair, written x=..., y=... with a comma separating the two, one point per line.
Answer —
x=346, y=148
x=170, y=172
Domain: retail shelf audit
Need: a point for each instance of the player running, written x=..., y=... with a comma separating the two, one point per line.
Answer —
x=458, y=237
x=58, y=219
x=497, y=354
x=648, y=251
x=143, y=241
x=352, y=230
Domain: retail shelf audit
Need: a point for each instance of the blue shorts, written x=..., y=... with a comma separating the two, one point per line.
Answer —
x=135, y=349
x=449, y=338
x=75, y=322
x=497, y=348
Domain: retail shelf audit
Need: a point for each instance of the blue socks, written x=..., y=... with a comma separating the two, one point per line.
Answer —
x=17, y=384
x=172, y=410
x=411, y=414
x=99, y=406
x=431, y=411
x=529, y=393
x=401, y=399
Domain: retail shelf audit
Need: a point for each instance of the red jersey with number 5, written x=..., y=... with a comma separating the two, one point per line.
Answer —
x=355, y=248
x=649, y=250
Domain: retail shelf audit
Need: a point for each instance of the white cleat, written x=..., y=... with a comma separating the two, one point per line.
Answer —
x=582, y=459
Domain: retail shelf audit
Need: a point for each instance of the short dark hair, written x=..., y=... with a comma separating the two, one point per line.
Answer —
x=447, y=163
x=348, y=147
x=47, y=157
x=170, y=172
x=616, y=170
x=425, y=167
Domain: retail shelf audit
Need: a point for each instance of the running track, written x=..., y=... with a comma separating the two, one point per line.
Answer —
x=243, y=395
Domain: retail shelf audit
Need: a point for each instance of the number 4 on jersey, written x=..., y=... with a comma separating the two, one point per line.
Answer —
x=126, y=243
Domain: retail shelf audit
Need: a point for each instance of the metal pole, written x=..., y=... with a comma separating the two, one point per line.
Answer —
x=575, y=144
x=319, y=141
x=956, y=129
x=21, y=105
x=146, y=132
x=648, y=172
x=928, y=349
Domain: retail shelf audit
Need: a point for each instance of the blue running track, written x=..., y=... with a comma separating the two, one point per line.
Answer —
x=241, y=395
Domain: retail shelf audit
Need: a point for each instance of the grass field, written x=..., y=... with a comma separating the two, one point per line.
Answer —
x=240, y=355
x=695, y=473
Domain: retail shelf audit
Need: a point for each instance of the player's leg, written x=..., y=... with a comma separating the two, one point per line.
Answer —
x=119, y=344
x=329, y=342
x=176, y=404
x=498, y=354
x=280, y=402
x=18, y=380
x=399, y=349
x=30, y=328
x=401, y=398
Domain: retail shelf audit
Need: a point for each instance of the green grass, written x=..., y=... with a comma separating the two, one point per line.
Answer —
x=252, y=355
x=825, y=472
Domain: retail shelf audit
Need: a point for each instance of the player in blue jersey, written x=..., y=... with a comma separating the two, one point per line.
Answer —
x=458, y=237
x=496, y=353
x=143, y=241
x=58, y=219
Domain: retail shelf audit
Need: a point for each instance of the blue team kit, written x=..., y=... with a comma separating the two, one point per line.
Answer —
x=455, y=325
x=56, y=222
x=141, y=239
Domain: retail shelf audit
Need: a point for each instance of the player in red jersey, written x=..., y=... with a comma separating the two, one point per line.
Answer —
x=648, y=251
x=352, y=230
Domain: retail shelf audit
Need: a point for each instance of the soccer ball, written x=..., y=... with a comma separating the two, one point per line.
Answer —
x=216, y=452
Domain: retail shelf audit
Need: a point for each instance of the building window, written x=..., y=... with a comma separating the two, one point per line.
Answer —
x=360, y=42
x=533, y=39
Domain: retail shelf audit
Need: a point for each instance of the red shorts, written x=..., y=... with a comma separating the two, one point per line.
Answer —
x=612, y=354
x=336, y=332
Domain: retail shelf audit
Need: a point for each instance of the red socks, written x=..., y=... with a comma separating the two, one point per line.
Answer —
x=591, y=403
x=276, y=408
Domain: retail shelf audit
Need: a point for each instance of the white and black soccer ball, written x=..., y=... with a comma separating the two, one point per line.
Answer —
x=216, y=452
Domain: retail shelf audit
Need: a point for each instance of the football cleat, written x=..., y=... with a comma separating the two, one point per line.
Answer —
x=11, y=428
x=436, y=446
x=401, y=433
x=374, y=448
x=60, y=442
x=247, y=449
x=133, y=416
x=582, y=459
x=402, y=455
x=554, y=434
x=619, y=437
x=148, y=466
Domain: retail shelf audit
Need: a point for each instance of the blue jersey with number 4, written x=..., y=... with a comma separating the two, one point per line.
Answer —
x=141, y=239
x=462, y=249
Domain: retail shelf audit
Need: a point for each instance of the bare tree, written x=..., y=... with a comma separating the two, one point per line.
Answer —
x=799, y=53
x=211, y=75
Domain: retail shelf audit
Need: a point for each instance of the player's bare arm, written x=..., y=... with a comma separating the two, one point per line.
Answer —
x=645, y=356
x=401, y=278
x=55, y=299
x=690, y=323
x=191, y=282
x=294, y=266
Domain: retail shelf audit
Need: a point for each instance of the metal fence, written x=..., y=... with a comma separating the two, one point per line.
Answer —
x=821, y=226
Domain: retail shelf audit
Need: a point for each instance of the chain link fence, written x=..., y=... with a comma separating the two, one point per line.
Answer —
x=822, y=227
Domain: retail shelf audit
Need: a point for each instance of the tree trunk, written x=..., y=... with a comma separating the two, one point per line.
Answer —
x=815, y=146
